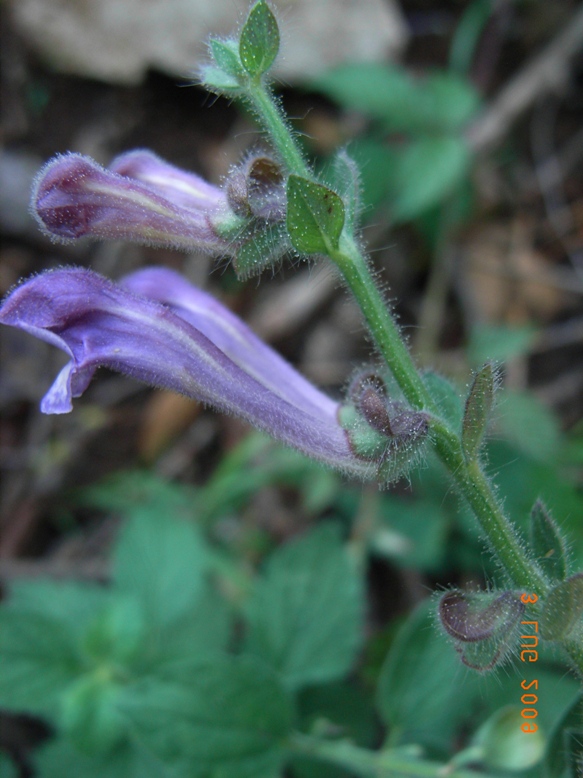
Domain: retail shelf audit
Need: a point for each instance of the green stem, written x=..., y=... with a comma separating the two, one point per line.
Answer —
x=468, y=476
x=372, y=763
x=263, y=105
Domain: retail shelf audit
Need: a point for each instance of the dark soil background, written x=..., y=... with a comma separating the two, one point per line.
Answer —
x=521, y=254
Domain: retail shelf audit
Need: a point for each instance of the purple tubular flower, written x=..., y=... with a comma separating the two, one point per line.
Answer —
x=156, y=327
x=142, y=199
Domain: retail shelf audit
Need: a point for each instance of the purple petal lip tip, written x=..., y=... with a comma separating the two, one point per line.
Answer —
x=141, y=198
x=156, y=327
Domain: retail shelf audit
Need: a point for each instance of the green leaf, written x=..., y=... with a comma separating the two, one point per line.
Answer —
x=413, y=533
x=216, y=80
x=315, y=216
x=161, y=560
x=427, y=171
x=259, y=41
x=562, y=611
x=446, y=397
x=477, y=411
x=90, y=715
x=229, y=719
x=375, y=161
x=39, y=660
x=201, y=633
x=530, y=425
x=117, y=633
x=566, y=742
x=306, y=614
x=263, y=248
x=498, y=343
x=547, y=542
x=60, y=759
x=226, y=55
x=439, y=103
x=449, y=102
x=71, y=603
x=423, y=692
x=344, y=178
x=140, y=491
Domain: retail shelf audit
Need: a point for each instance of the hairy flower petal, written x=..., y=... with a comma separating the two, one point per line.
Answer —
x=181, y=187
x=181, y=345
x=74, y=197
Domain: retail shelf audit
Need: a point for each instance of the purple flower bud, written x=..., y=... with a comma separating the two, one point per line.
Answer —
x=483, y=625
x=142, y=199
x=156, y=327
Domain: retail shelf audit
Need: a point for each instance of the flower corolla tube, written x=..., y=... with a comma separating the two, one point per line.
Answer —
x=155, y=326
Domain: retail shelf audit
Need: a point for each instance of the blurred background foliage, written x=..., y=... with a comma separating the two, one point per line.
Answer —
x=466, y=119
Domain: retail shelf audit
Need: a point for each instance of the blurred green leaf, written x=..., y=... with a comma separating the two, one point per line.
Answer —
x=529, y=425
x=39, y=658
x=438, y=103
x=547, y=542
x=229, y=718
x=60, y=759
x=161, y=560
x=498, y=343
x=226, y=55
x=413, y=533
x=562, y=610
x=305, y=617
x=90, y=715
x=426, y=171
x=376, y=162
x=566, y=743
x=447, y=398
x=424, y=691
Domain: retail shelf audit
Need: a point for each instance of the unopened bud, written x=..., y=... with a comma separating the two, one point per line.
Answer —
x=257, y=190
x=382, y=430
x=483, y=625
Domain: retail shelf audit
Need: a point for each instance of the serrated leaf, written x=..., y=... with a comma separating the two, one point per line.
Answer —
x=201, y=633
x=161, y=560
x=315, y=216
x=229, y=719
x=305, y=617
x=547, y=542
x=477, y=411
x=426, y=172
x=71, y=603
x=226, y=55
x=562, y=610
x=39, y=659
x=259, y=40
